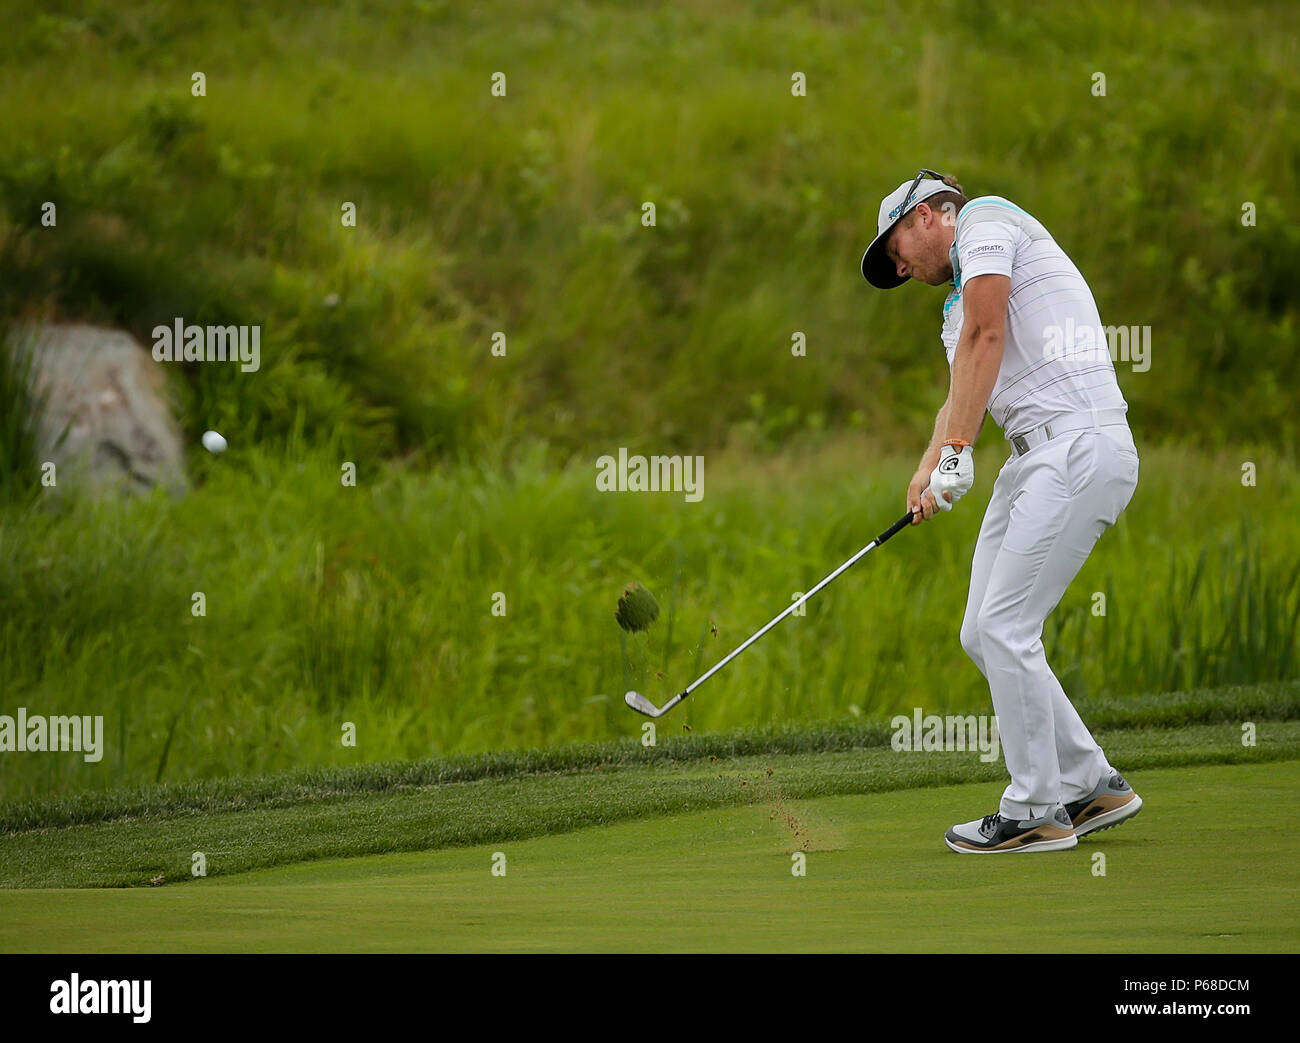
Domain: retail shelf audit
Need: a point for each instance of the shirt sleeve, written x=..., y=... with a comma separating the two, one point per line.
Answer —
x=986, y=248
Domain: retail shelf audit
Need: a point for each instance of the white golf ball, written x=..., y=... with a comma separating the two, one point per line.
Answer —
x=213, y=442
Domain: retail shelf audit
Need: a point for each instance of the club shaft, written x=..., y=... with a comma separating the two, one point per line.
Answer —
x=904, y=520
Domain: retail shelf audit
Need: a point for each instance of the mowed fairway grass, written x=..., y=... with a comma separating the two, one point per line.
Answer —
x=1210, y=865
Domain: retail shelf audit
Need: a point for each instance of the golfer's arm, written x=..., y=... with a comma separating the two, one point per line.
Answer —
x=978, y=357
x=930, y=458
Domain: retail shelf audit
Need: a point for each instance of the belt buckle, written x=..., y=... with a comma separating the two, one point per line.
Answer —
x=1021, y=446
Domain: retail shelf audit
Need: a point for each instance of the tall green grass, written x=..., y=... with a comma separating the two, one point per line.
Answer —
x=373, y=605
x=1232, y=607
x=21, y=405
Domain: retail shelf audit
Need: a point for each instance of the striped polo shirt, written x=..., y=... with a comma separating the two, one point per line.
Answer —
x=1056, y=359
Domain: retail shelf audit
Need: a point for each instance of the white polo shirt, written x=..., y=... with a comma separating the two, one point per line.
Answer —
x=1056, y=359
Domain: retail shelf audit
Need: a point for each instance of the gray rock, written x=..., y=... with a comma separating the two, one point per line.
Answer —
x=106, y=422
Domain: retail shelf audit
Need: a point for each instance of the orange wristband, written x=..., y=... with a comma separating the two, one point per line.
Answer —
x=955, y=442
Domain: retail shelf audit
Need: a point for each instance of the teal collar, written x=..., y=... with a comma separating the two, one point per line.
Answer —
x=952, y=250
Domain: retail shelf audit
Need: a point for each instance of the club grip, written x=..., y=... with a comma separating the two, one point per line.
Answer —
x=901, y=523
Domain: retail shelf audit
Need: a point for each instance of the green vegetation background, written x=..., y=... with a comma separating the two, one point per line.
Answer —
x=522, y=215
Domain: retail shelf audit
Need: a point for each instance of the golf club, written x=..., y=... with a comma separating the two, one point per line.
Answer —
x=641, y=704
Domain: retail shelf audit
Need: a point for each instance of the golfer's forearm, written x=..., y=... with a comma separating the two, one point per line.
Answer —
x=974, y=372
x=930, y=458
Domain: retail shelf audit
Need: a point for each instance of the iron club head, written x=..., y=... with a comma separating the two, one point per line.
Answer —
x=641, y=704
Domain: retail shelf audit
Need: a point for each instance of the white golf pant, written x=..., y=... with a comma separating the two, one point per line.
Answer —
x=1049, y=506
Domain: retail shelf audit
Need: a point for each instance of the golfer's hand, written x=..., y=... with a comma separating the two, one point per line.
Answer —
x=954, y=476
x=919, y=501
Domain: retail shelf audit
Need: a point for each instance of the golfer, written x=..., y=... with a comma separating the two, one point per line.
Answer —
x=1024, y=343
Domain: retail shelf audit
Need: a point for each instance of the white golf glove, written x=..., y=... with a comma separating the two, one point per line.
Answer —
x=955, y=474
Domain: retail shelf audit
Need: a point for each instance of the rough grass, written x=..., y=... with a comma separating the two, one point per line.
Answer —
x=328, y=605
x=1273, y=702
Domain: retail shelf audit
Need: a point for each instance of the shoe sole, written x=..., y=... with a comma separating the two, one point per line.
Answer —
x=1110, y=818
x=1060, y=844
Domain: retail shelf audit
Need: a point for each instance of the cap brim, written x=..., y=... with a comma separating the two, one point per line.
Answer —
x=877, y=268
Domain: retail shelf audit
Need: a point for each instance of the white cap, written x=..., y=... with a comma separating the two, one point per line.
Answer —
x=877, y=268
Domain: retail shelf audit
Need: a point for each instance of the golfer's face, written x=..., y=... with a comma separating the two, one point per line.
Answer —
x=909, y=250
